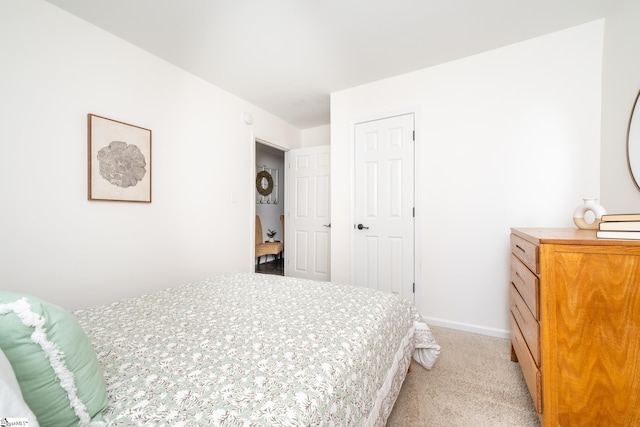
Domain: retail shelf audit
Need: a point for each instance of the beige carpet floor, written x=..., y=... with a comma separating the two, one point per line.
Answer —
x=473, y=384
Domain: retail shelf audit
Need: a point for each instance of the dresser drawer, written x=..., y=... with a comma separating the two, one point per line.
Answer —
x=527, y=284
x=529, y=369
x=527, y=324
x=526, y=251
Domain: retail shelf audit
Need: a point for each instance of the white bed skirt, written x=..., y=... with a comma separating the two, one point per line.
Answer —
x=418, y=342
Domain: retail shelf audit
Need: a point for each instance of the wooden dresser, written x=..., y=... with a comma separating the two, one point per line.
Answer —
x=575, y=325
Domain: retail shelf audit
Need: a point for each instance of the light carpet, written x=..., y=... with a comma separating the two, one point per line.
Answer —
x=474, y=383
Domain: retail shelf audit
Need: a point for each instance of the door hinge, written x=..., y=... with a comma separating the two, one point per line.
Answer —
x=414, y=212
x=414, y=136
x=414, y=287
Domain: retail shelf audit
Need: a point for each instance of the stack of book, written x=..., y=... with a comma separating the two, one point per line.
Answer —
x=619, y=226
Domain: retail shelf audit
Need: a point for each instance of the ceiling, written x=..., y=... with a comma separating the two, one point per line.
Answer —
x=287, y=56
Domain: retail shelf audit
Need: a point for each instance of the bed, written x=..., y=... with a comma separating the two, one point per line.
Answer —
x=252, y=350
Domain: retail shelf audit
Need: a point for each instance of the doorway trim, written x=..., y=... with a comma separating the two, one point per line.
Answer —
x=417, y=230
x=282, y=182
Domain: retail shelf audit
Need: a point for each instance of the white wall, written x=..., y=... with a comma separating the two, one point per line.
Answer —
x=57, y=245
x=314, y=137
x=506, y=138
x=620, y=85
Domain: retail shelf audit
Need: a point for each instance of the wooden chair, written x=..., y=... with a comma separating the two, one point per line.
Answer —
x=265, y=248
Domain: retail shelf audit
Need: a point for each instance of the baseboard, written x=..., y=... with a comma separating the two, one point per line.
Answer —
x=493, y=332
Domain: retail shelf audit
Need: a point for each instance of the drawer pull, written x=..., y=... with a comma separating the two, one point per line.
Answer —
x=519, y=247
x=518, y=310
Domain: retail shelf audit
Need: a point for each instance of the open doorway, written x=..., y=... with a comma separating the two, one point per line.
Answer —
x=270, y=193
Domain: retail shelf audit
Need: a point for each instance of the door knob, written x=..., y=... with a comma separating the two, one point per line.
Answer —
x=327, y=225
x=361, y=227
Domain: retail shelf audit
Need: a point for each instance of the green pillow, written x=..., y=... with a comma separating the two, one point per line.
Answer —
x=54, y=361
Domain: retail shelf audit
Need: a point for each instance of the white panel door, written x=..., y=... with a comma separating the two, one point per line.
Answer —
x=308, y=222
x=384, y=205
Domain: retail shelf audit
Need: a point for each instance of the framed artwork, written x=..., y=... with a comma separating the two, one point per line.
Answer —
x=119, y=161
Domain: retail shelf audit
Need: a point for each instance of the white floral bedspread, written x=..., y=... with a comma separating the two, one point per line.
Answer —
x=251, y=350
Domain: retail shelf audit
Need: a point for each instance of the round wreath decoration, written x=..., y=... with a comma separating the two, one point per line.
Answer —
x=265, y=191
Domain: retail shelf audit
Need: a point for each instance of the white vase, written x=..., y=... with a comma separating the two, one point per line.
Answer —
x=589, y=205
x=271, y=239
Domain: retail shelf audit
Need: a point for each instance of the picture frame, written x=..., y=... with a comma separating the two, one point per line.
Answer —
x=119, y=161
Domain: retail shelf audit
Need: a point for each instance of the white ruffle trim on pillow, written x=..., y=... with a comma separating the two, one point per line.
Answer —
x=39, y=336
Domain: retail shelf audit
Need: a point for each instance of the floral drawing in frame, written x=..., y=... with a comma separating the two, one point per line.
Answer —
x=119, y=161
